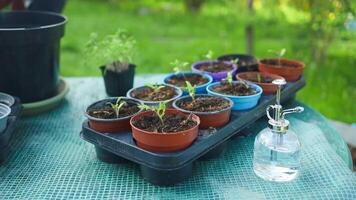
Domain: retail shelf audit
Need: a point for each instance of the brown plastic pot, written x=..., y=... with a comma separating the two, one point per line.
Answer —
x=291, y=70
x=110, y=125
x=164, y=142
x=208, y=119
x=268, y=88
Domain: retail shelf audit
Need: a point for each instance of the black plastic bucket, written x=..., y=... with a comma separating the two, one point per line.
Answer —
x=245, y=63
x=117, y=84
x=29, y=53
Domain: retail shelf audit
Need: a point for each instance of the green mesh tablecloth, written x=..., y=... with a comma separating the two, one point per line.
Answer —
x=50, y=161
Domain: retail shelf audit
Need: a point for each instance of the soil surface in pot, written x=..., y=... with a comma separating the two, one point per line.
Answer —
x=194, y=79
x=276, y=63
x=204, y=104
x=215, y=67
x=241, y=63
x=246, y=63
x=234, y=89
x=149, y=94
x=259, y=79
x=107, y=112
x=171, y=123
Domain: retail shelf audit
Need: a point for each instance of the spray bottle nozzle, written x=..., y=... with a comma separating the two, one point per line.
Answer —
x=277, y=121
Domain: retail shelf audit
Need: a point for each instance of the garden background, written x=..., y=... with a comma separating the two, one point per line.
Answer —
x=313, y=31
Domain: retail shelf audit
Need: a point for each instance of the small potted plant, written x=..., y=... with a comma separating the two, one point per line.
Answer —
x=114, y=54
x=154, y=94
x=112, y=115
x=244, y=95
x=217, y=69
x=291, y=70
x=245, y=62
x=213, y=111
x=264, y=80
x=159, y=129
x=4, y=115
x=179, y=78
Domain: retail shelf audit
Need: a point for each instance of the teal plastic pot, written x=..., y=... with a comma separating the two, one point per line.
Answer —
x=240, y=102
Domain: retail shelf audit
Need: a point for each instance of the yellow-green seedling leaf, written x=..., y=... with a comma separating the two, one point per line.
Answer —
x=235, y=61
x=190, y=89
x=156, y=87
x=259, y=79
x=117, y=106
x=178, y=66
x=209, y=55
x=229, y=77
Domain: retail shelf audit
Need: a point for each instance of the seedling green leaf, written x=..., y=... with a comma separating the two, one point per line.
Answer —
x=243, y=82
x=209, y=55
x=229, y=78
x=279, y=54
x=282, y=52
x=191, y=90
x=235, y=61
x=178, y=66
x=159, y=110
x=115, y=51
x=117, y=106
x=259, y=79
x=154, y=87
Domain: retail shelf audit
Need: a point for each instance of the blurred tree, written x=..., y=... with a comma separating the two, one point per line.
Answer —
x=194, y=6
x=249, y=29
x=327, y=17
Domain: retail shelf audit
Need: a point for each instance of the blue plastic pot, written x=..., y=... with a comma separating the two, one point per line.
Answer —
x=240, y=102
x=201, y=89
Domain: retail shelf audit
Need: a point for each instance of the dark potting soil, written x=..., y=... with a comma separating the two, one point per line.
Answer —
x=234, y=89
x=171, y=123
x=263, y=79
x=107, y=112
x=276, y=63
x=204, y=104
x=194, y=79
x=246, y=63
x=149, y=94
x=215, y=67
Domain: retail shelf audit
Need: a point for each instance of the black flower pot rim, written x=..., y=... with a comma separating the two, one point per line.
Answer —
x=63, y=20
x=103, y=68
x=111, y=99
x=175, y=104
x=177, y=89
x=244, y=56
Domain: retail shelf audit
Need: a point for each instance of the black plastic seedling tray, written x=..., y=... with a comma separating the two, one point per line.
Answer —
x=171, y=168
x=5, y=136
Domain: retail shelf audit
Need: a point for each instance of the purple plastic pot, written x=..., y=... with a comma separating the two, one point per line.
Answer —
x=216, y=76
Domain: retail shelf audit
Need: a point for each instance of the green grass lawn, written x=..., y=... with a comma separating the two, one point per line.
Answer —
x=163, y=36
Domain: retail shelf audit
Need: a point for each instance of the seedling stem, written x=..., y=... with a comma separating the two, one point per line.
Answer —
x=117, y=106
